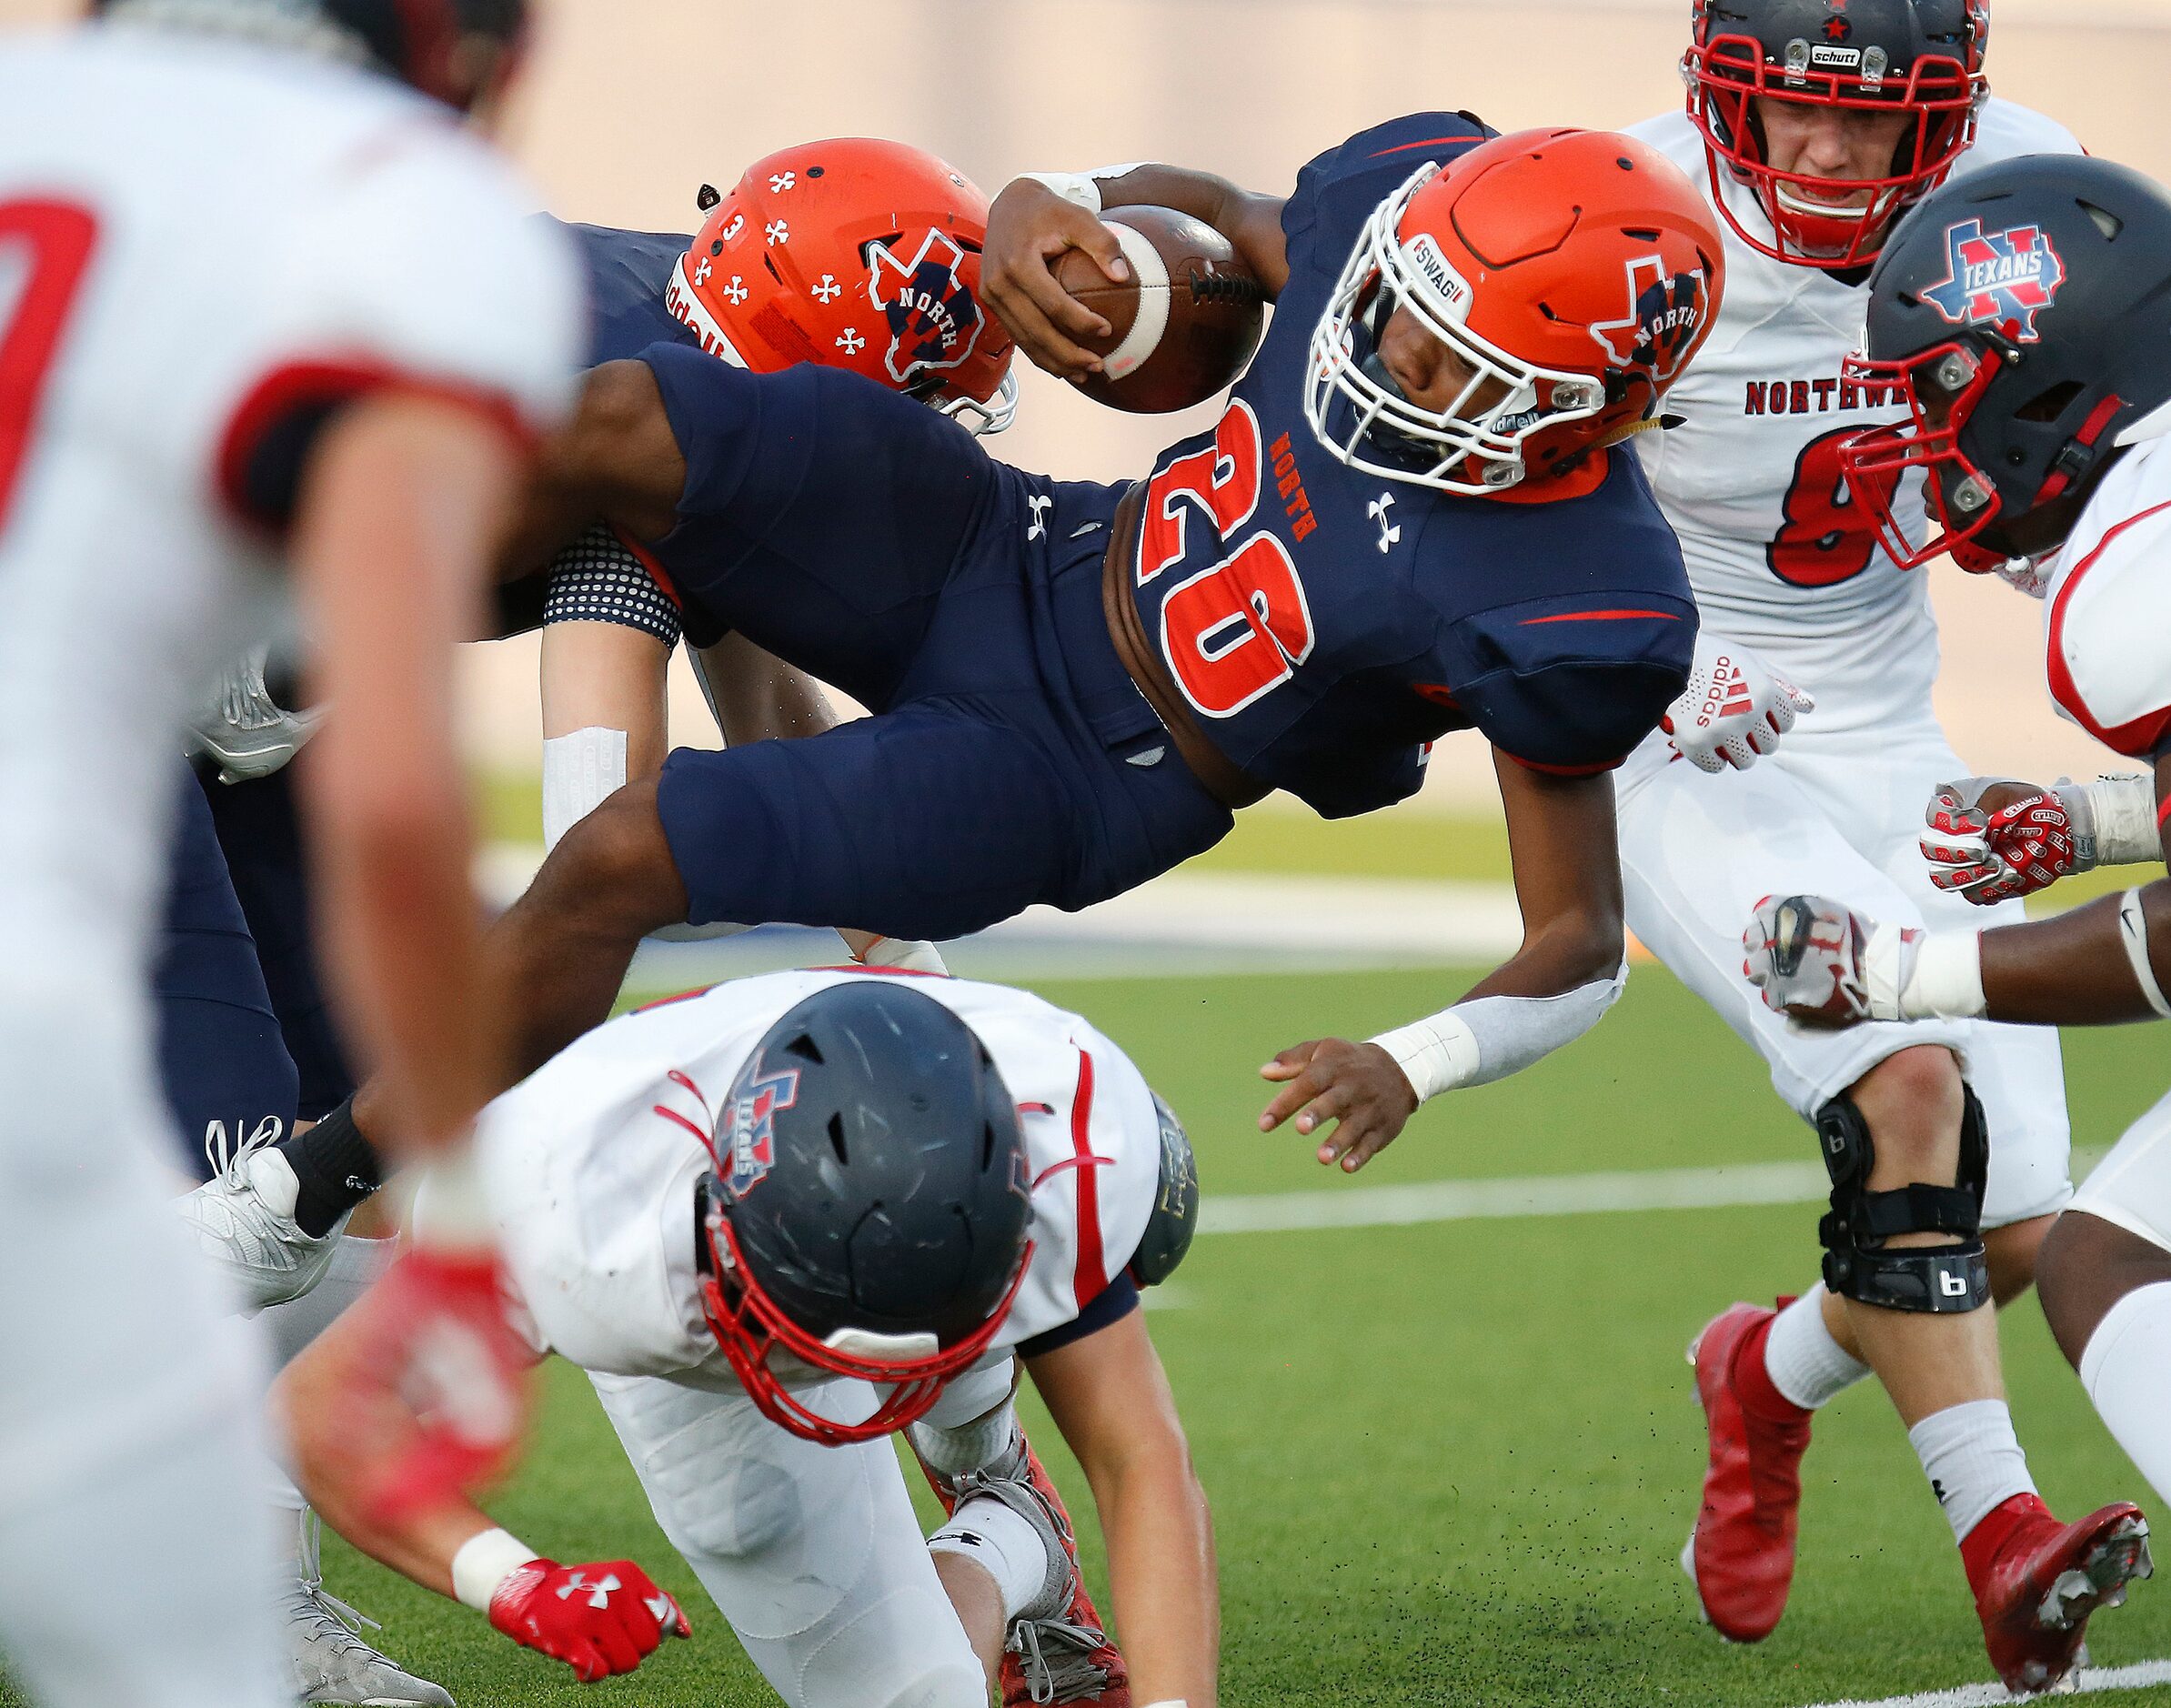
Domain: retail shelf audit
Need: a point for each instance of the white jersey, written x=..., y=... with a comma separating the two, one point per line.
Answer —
x=2109, y=611
x=1780, y=559
x=196, y=237
x=591, y=1184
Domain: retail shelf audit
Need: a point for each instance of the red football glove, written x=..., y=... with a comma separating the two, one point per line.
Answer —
x=1992, y=839
x=435, y=1333
x=598, y=1618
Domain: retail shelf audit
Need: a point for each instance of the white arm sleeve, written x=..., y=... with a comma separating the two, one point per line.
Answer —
x=1477, y=1042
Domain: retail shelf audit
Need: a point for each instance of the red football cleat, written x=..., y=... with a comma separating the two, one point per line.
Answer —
x=1069, y=1658
x=1742, y=1554
x=2037, y=1581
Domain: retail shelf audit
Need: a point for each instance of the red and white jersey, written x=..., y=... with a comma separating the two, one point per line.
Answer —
x=2108, y=610
x=197, y=239
x=1782, y=561
x=592, y=1189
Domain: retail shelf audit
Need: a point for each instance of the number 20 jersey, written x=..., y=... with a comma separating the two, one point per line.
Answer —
x=1324, y=624
x=204, y=250
x=1783, y=562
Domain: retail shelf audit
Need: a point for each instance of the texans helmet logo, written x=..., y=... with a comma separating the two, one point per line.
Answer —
x=1998, y=278
x=1666, y=313
x=935, y=321
x=753, y=1132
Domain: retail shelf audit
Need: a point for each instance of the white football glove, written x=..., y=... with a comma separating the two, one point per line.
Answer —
x=1822, y=964
x=1735, y=709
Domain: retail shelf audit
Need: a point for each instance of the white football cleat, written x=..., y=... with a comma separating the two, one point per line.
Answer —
x=243, y=1222
x=327, y=1659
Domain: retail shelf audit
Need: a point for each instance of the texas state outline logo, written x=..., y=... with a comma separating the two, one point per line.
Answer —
x=753, y=1133
x=935, y=320
x=1666, y=312
x=1999, y=277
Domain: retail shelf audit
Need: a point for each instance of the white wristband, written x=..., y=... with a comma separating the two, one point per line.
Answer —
x=1946, y=979
x=484, y=1562
x=906, y=955
x=1437, y=1054
x=1084, y=188
x=2133, y=932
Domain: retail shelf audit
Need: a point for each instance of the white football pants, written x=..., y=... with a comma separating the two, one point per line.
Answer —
x=1840, y=815
x=134, y=1560
x=813, y=1554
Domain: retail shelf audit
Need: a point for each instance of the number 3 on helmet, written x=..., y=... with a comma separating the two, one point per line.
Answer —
x=1573, y=274
x=856, y=254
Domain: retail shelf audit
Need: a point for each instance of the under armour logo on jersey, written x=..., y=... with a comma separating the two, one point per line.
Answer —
x=1039, y=508
x=829, y=290
x=1391, y=533
x=598, y=1589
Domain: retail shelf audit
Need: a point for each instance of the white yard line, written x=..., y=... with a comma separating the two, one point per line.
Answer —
x=1732, y=1188
x=2092, y=1681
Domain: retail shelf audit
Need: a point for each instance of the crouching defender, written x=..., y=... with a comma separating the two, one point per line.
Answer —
x=779, y=1219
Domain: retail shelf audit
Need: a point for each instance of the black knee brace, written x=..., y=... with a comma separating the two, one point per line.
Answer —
x=1855, y=1232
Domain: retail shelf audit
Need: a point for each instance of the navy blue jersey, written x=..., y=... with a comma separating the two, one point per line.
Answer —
x=1326, y=623
x=628, y=272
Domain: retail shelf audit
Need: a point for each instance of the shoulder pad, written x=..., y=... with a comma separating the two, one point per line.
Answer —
x=2110, y=667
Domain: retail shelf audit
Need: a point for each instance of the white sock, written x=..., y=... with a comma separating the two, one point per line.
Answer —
x=973, y=1446
x=998, y=1540
x=1804, y=1361
x=1972, y=1460
x=2126, y=1370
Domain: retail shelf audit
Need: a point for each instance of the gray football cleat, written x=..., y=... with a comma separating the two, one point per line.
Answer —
x=1055, y=1651
x=244, y=730
x=327, y=1659
x=243, y=1222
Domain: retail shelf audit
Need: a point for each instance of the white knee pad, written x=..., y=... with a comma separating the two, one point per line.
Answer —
x=972, y=1425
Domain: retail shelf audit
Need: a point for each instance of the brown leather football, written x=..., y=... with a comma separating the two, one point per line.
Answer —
x=1182, y=326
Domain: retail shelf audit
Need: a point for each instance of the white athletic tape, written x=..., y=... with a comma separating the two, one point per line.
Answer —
x=1151, y=274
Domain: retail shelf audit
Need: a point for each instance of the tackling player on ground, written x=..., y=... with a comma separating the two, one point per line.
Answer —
x=1815, y=126
x=2039, y=406
x=778, y=1221
x=353, y=326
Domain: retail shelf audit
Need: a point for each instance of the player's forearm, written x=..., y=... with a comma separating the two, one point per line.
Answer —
x=1162, y=1576
x=402, y=506
x=2082, y=968
x=1252, y=223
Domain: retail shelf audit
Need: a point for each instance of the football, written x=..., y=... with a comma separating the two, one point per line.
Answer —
x=1184, y=324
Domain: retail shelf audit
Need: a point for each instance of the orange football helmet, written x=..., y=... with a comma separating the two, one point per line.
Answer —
x=1575, y=273
x=856, y=254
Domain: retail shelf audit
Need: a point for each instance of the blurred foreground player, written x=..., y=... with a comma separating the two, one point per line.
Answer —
x=1815, y=128
x=1046, y=659
x=315, y=368
x=2018, y=316
x=782, y=1218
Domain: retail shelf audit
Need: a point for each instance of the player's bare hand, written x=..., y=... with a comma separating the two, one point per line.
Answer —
x=1360, y=1087
x=1028, y=228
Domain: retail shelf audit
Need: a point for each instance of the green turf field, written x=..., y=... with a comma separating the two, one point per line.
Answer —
x=1452, y=1464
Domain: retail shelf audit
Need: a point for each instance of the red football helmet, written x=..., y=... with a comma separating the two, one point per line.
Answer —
x=1920, y=57
x=1575, y=273
x=857, y=253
